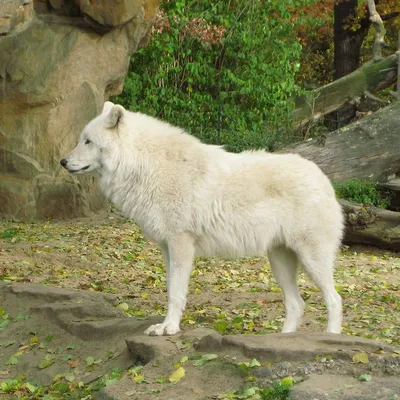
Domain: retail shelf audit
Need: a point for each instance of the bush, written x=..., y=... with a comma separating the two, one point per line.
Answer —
x=362, y=191
x=224, y=71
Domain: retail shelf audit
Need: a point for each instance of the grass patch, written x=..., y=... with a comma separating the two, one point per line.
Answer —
x=8, y=233
x=362, y=191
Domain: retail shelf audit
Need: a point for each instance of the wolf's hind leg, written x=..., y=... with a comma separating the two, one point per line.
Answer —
x=180, y=252
x=319, y=265
x=284, y=264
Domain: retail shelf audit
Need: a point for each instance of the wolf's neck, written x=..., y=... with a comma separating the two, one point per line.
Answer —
x=128, y=185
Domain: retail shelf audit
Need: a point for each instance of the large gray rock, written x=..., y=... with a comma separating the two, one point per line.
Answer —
x=297, y=346
x=59, y=61
x=67, y=325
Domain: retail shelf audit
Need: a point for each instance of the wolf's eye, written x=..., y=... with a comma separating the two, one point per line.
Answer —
x=88, y=141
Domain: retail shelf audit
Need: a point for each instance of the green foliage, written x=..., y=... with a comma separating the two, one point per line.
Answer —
x=361, y=191
x=224, y=71
x=8, y=233
x=278, y=391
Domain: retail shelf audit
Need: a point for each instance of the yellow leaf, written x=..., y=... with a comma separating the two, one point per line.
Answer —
x=145, y=295
x=123, y=306
x=361, y=357
x=197, y=291
x=181, y=361
x=34, y=340
x=138, y=378
x=177, y=375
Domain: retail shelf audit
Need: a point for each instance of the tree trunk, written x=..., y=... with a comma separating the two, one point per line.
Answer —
x=371, y=226
x=347, y=41
x=347, y=51
x=366, y=149
x=370, y=78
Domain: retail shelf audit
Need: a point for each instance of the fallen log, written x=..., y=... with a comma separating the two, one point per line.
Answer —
x=366, y=149
x=369, y=225
x=369, y=78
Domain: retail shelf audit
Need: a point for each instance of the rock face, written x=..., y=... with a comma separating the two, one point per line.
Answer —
x=59, y=61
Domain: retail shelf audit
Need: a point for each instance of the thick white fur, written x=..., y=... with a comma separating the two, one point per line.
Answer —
x=195, y=199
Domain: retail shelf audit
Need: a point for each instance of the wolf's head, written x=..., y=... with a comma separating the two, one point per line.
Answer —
x=95, y=141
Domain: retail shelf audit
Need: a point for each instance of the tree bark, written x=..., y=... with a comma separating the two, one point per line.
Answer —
x=371, y=226
x=347, y=52
x=370, y=78
x=366, y=149
x=347, y=41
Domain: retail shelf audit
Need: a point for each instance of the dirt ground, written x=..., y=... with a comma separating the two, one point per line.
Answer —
x=108, y=254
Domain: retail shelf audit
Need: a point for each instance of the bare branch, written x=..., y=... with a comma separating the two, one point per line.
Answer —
x=380, y=30
x=370, y=96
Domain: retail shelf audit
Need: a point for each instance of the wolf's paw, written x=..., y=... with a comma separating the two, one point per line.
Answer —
x=162, y=330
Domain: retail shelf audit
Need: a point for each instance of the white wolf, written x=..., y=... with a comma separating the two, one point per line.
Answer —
x=195, y=199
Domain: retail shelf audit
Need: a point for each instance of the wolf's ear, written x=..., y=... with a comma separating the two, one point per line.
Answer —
x=115, y=116
x=107, y=107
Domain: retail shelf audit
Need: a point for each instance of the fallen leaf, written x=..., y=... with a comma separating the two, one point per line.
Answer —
x=12, y=360
x=89, y=361
x=182, y=344
x=70, y=377
x=177, y=375
x=123, y=306
x=361, y=357
x=254, y=363
x=4, y=324
x=34, y=340
x=73, y=363
x=45, y=364
x=162, y=379
x=32, y=388
x=138, y=379
x=204, y=359
x=249, y=392
x=364, y=378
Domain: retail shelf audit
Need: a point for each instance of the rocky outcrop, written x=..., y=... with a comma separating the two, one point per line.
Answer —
x=77, y=325
x=59, y=61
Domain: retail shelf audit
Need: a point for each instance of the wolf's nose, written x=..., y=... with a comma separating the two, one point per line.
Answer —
x=64, y=162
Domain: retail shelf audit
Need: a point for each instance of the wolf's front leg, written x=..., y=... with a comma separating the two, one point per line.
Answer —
x=178, y=257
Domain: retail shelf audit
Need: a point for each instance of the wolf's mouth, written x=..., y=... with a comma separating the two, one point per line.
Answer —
x=77, y=170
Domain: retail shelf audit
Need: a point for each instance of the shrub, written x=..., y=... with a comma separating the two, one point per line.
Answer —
x=362, y=191
x=224, y=71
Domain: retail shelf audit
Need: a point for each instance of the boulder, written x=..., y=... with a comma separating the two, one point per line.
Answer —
x=59, y=61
